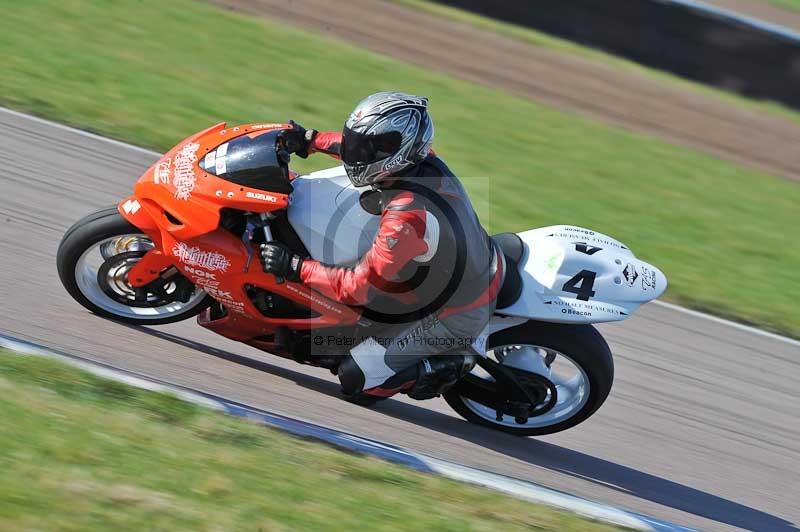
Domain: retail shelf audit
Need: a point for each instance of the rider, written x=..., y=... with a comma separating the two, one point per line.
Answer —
x=432, y=274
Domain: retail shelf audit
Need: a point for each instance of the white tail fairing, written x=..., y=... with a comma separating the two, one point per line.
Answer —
x=576, y=275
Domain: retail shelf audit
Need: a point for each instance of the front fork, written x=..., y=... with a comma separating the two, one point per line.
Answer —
x=154, y=262
x=148, y=268
x=247, y=237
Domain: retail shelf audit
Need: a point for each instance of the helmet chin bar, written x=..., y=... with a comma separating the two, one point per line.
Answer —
x=359, y=174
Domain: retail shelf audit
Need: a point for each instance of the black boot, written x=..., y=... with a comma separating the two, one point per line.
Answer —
x=438, y=373
x=352, y=380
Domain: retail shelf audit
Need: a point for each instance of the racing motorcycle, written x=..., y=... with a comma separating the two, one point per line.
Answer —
x=186, y=244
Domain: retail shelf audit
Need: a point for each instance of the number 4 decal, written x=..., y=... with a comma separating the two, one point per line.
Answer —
x=585, y=278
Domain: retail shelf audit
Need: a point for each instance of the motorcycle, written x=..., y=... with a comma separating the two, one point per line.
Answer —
x=183, y=245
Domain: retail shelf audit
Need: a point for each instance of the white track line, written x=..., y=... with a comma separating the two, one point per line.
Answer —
x=694, y=313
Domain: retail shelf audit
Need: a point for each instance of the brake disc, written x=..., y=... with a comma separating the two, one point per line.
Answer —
x=112, y=277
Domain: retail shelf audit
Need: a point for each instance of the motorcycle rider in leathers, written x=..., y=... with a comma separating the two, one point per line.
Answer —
x=432, y=274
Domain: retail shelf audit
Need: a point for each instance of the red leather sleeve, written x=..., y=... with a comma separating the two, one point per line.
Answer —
x=400, y=238
x=329, y=142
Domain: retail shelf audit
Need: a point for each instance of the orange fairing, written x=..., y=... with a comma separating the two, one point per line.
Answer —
x=184, y=200
x=177, y=204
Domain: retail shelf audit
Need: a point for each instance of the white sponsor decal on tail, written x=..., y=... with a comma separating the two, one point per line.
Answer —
x=184, y=178
x=131, y=206
x=194, y=256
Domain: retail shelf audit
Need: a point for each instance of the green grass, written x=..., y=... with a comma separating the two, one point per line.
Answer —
x=153, y=72
x=545, y=40
x=83, y=453
x=792, y=5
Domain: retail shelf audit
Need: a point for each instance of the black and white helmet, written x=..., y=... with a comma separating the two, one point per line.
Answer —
x=387, y=132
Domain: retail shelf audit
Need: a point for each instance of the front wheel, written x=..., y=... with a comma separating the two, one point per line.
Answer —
x=94, y=258
x=566, y=370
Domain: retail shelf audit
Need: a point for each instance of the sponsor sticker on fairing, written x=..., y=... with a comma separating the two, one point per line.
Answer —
x=161, y=172
x=630, y=274
x=267, y=126
x=220, y=165
x=648, y=279
x=233, y=305
x=184, y=178
x=131, y=206
x=315, y=299
x=208, y=282
x=205, y=284
x=202, y=278
x=194, y=256
x=217, y=293
x=209, y=161
x=201, y=273
x=261, y=196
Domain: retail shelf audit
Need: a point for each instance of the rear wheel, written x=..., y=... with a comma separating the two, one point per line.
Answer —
x=565, y=373
x=94, y=258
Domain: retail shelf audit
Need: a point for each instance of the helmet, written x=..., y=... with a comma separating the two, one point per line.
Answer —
x=387, y=132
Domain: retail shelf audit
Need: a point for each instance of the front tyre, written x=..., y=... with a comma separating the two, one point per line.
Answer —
x=93, y=260
x=575, y=361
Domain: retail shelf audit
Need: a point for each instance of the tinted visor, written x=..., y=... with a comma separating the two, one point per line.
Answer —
x=360, y=148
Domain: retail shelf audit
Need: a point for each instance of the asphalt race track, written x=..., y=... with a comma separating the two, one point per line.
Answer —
x=702, y=427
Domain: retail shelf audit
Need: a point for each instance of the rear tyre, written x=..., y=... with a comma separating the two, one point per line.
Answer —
x=578, y=397
x=93, y=258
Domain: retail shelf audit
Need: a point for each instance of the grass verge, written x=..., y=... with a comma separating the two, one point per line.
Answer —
x=792, y=5
x=152, y=72
x=85, y=453
x=544, y=40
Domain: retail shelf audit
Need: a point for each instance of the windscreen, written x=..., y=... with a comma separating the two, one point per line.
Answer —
x=250, y=161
